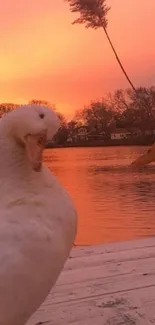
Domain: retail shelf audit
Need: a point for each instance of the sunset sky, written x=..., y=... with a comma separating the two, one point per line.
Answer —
x=43, y=56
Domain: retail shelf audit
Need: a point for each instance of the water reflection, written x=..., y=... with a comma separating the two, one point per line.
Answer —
x=114, y=202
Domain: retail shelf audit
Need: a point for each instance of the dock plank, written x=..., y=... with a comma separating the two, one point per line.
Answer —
x=114, y=286
x=113, y=247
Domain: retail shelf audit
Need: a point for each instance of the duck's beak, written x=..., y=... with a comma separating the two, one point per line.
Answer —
x=146, y=158
x=35, y=144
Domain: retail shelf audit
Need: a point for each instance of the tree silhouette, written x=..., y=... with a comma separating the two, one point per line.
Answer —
x=6, y=108
x=97, y=117
x=93, y=13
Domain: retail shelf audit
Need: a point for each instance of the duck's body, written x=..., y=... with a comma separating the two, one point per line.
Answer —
x=38, y=224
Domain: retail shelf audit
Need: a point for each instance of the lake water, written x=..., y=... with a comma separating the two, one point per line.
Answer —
x=114, y=203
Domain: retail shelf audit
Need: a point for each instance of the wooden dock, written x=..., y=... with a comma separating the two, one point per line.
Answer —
x=104, y=285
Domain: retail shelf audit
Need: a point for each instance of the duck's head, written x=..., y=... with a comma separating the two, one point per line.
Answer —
x=31, y=126
x=146, y=158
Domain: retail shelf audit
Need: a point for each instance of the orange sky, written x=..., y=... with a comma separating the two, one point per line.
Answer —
x=43, y=56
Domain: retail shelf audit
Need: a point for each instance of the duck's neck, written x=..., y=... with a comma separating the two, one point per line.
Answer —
x=17, y=178
x=14, y=162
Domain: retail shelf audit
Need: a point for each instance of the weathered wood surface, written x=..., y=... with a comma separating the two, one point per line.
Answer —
x=105, y=285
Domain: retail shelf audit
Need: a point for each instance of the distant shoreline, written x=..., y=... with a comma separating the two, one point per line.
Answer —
x=105, y=143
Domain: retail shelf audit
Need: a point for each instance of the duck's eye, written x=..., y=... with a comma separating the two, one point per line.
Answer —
x=41, y=115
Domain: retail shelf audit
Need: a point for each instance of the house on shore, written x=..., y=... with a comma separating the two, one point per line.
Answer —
x=122, y=133
x=82, y=134
x=78, y=134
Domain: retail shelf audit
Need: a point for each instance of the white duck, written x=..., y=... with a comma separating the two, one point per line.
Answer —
x=38, y=221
